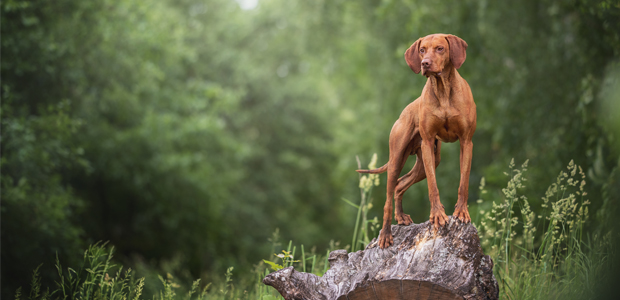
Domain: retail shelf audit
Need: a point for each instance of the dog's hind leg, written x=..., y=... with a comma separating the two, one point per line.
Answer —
x=400, y=148
x=416, y=175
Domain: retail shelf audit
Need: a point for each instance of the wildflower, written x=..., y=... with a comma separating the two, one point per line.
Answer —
x=373, y=162
x=370, y=180
x=363, y=182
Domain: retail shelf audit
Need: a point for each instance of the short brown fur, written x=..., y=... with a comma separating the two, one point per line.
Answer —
x=444, y=112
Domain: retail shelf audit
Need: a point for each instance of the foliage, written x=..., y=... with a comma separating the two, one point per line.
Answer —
x=93, y=281
x=287, y=260
x=185, y=131
x=557, y=263
x=39, y=210
x=90, y=281
x=156, y=148
x=364, y=226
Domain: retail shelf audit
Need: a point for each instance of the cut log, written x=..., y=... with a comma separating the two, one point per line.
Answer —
x=423, y=263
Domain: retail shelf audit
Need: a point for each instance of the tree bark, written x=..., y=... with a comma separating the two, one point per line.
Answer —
x=423, y=263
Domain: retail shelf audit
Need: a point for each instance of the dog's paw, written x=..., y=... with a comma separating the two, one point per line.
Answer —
x=404, y=219
x=438, y=218
x=385, y=239
x=462, y=215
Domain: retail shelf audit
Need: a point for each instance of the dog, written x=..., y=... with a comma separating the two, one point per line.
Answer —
x=445, y=112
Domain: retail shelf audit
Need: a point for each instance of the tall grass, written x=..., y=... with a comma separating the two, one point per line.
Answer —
x=364, y=226
x=91, y=280
x=544, y=256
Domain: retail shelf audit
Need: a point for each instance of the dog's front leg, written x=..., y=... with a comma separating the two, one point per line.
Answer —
x=438, y=214
x=460, y=210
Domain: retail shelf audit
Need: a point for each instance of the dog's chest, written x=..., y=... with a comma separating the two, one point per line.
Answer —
x=445, y=112
x=447, y=125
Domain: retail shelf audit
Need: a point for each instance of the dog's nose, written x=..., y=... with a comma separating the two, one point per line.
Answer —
x=426, y=62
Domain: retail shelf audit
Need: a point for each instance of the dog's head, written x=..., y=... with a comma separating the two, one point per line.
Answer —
x=434, y=53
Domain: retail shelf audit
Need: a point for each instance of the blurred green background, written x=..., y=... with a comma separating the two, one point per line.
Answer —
x=185, y=132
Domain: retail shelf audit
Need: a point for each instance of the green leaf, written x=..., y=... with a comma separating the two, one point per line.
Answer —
x=350, y=203
x=273, y=265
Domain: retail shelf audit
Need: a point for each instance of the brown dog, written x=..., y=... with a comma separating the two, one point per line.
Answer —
x=445, y=112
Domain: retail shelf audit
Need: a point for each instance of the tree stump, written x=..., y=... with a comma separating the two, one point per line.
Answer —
x=423, y=263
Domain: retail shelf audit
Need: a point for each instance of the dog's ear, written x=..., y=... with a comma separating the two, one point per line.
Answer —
x=457, y=50
x=412, y=56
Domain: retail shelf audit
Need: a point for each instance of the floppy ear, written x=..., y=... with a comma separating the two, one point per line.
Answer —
x=457, y=50
x=412, y=56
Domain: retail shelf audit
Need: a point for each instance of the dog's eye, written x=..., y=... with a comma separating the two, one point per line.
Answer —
x=422, y=50
x=439, y=49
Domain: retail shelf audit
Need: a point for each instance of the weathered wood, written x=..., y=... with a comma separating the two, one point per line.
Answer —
x=423, y=263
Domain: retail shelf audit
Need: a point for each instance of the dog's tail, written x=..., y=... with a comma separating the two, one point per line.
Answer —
x=374, y=171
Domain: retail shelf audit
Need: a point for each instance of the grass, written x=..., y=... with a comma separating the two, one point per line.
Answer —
x=545, y=256
x=557, y=263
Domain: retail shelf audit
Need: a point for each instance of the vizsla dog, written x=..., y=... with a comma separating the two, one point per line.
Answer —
x=445, y=112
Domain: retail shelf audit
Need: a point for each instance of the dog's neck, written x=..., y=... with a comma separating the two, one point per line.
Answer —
x=441, y=86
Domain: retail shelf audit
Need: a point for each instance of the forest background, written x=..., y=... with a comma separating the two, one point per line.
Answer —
x=186, y=132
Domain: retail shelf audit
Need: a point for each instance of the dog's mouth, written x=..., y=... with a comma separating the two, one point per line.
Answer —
x=429, y=73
